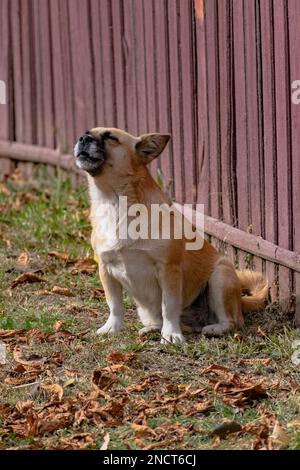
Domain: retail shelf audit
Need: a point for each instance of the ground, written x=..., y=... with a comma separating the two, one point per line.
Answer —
x=64, y=387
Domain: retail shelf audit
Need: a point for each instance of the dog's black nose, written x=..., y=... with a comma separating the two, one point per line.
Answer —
x=85, y=139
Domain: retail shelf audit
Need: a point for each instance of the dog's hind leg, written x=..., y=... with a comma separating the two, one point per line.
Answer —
x=224, y=299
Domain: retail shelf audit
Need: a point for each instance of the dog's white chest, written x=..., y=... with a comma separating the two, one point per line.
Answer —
x=134, y=269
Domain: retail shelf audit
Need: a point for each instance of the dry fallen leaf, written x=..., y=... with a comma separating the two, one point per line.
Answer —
x=98, y=294
x=199, y=407
x=117, y=357
x=63, y=291
x=23, y=259
x=57, y=325
x=32, y=361
x=85, y=265
x=279, y=437
x=142, y=430
x=54, y=389
x=103, y=379
x=27, y=277
x=77, y=442
x=105, y=442
x=57, y=255
x=62, y=336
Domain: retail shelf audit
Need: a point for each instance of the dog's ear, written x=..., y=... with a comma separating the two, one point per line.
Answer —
x=150, y=146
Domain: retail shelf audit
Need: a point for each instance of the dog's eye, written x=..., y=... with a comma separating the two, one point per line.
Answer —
x=109, y=136
x=112, y=137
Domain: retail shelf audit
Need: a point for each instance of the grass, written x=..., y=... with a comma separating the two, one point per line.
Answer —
x=46, y=214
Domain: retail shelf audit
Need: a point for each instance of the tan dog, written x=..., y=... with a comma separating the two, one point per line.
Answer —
x=161, y=275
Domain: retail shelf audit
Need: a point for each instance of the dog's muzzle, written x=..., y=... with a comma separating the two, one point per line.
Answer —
x=89, y=154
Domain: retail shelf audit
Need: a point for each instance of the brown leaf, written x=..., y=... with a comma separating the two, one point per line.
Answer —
x=63, y=335
x=102, y=379
x=236, y=389
x=85, y=265
x=23, y=259
x=256, y=360
x=117, y=357
x=55, y=421
x=8, y=334
x=57, y=255
x=63, y=291
x=33, y=360
x=77, y=442
x=54, y=389
x=58, y=324
x=279, y=437
x=105, y=442
x=24, y=406
x=27, y=277
x=227, y=427
x=116, y=407
x=166, y=443
x=142, y=430
x=79, y=418
x=98, y=294
x=200, y=407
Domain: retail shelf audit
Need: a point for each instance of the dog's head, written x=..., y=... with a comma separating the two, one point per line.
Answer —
x=101, y=151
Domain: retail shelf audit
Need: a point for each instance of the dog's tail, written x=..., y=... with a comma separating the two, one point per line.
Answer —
x=255, y=291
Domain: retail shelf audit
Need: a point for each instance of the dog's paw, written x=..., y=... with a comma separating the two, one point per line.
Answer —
x=110, y=327
x=172, y=338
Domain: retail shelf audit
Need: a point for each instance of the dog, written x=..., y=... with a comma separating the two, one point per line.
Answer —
x=163, y=277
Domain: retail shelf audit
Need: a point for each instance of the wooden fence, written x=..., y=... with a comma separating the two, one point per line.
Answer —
x=217, y=74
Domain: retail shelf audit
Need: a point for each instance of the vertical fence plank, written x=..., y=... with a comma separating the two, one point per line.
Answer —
x=17, y=83
x=130, y=67
x=82, y=65
x=254, y=113
x=212, y=77
x=227, y=157
x=179, y=187
x=151, y=78
x=269, y=136
x=118, y=61
x=39, y=70
x=4, y=69
x=28, y=73
x=68, y=82
x=95, y=12
x=294, y=41
x=58, y=85
x=202, y=155
x=108, y=99
x=47, y=71
x=6, y=110
x=163, y=91
x=240, y=122
x=282, y=91
x=187, y=130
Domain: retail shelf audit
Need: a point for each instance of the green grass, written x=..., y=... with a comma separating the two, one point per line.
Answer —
x=45, y=214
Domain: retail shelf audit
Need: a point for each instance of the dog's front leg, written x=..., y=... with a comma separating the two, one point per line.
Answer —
x=170, y=278
x=114, y=298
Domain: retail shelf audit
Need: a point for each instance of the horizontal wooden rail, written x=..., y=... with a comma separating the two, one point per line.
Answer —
x=36, y=154
x=247, y=242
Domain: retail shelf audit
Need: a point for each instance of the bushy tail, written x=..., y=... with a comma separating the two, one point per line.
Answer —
x=255, y=289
